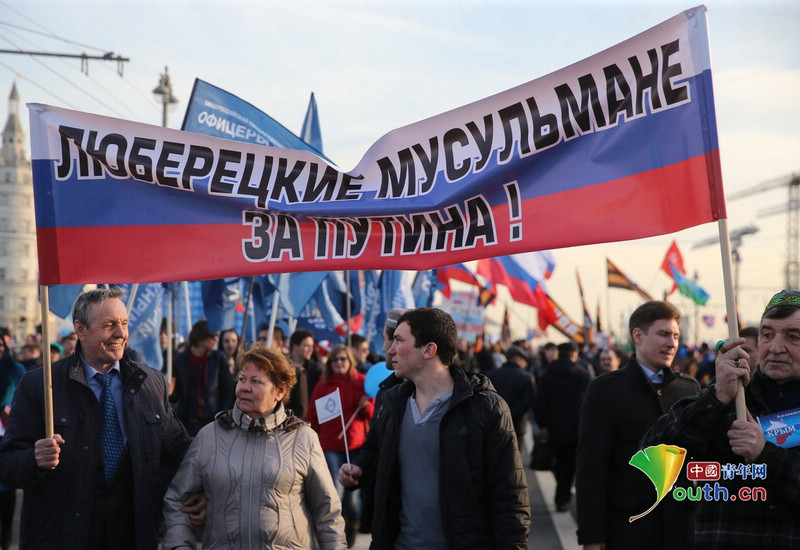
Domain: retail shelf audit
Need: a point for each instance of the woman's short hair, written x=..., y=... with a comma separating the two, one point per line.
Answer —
x=274, y=364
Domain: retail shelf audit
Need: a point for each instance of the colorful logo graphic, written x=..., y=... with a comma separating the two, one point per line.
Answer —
x=662, y=464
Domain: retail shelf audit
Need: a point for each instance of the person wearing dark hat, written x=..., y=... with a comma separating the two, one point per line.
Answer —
x=204, y=384
x=618, y=409
x=516, y=386
x=706, y=426
x=557, y=410
x=56, y=351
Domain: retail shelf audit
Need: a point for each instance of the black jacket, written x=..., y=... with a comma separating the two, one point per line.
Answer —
x=517, y=387
x=618, y=409
x=484, y=493
x=57, y=504
x=562, y=387
x=217, y=386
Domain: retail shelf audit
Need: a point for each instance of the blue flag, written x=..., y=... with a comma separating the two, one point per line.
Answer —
x=220, y=298
x=215, y=112
x=331, y=314
x=296, y=289
x=311, y=133
x=371, y=330
x=394, y=291
x=62, y=297
x=424, y=288
x=144, y=322
x=688, y=287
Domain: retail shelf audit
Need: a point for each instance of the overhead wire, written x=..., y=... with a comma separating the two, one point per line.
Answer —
x=96, y=82
x=62, y=78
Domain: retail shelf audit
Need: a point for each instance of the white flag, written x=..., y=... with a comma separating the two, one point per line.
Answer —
x=329, y=406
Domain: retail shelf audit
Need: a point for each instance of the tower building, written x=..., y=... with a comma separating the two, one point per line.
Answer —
x=19, y=289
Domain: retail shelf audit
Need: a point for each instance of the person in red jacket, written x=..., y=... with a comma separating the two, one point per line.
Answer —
x=357, y=407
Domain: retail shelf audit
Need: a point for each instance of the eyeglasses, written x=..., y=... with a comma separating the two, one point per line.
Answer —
x=337, y=359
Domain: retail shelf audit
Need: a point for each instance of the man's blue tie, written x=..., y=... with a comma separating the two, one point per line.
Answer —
x=113, y=444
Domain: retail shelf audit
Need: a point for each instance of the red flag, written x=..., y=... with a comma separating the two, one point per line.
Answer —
x=675, y=258
x=523, y=281
x=564, y=324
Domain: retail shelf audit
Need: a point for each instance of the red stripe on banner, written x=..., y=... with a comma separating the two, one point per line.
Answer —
x=656, y=202
x=652, y=203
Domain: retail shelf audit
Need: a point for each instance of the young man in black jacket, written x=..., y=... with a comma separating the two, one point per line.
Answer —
x=448, y=473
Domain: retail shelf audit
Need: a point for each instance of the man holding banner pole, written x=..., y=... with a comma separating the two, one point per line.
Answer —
x=98, y=481
x=447, y=468
x=756, y=500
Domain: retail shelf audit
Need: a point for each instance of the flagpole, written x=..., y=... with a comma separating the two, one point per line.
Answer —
x=273, y=316
x=49, y=426
x=170, y=344
x=344, y=434
x=132, y=295
x=730, y=305
x=188, y=305
x=247, y=305
x=347, y=307
x=352, y=417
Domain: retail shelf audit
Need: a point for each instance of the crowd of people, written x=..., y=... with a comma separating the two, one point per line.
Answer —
x=235, y=449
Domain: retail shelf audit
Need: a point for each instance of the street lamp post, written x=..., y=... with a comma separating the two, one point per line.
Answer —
x=163, y=94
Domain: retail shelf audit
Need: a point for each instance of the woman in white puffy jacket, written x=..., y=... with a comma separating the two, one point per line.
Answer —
x=262, y=470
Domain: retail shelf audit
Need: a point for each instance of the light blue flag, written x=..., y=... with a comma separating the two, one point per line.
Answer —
x=187, y=305
x=311, y=133
x=424, y=288
x=394, y=291
x=331, y=314
x=144, y=322
x=344, y=286
x=296, y=289
x=220, y=298
x=371, y=330
x=688, y=287
x=215, y=112
x=62, y=298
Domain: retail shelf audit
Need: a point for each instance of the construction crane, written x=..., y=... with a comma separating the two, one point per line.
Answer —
x=792, y=208
x=735, y=237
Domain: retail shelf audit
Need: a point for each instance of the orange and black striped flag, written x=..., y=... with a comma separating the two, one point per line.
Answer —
x=617, y=279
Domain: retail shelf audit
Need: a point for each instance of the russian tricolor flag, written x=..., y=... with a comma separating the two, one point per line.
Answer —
x=619, y=146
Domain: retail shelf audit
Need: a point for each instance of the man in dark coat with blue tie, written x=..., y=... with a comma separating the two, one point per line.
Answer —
x=77, y=495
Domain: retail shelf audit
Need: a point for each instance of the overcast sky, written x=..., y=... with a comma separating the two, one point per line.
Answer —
x=375, y=66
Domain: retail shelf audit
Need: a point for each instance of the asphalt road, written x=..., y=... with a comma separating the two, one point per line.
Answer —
x=551, y=530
